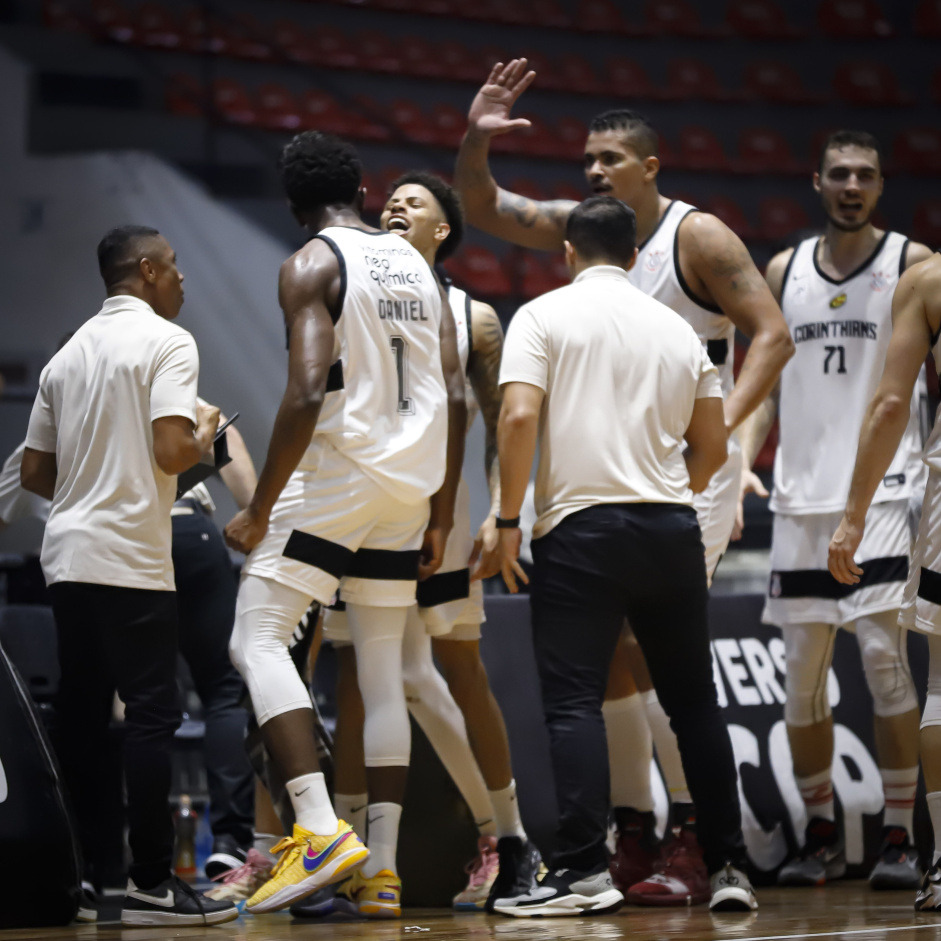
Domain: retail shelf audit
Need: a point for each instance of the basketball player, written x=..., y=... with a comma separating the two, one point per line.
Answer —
x=426, y=212
x=697, y=266
x=370, y=427
x=836, y=293
x=916, y=326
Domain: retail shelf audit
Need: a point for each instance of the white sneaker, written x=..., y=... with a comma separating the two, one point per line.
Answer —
x=481, y=873
x=236, y=885
x=732, y=891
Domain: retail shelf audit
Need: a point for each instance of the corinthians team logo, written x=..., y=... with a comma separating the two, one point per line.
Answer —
x=879, y=281
x=654, y=260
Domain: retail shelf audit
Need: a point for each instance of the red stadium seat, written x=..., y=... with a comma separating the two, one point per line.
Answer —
x=779, y=217
x=777, y=81
x=695, y=79
x=563, y=189
x=185, y=95
x=157, y=27
x=536, y=275
x=66, y=16
x=113, y=21
x=333, y=49
x=233, y=102
x=600, y=16
x=868, y=83
x=201, y=33
x=918, y=150
x=765, y=150
x=731, y=213
x=370, y=119
x=419, y=58
x=459, y=64
x=626, y=79
x=700, y=149
x=377, y=52
x=852, y=19
x=551, y=14
x=247, y=38
x=292, y=42
x=760, y=19
x=412, y=122
x=450, y=124
x=549, y=75
x=578, y=75
x=534, y=141
x=481, y=272
x=927, y=223
x=277, y=108
x=572, y=134
x=675, y=18
x=321, y=112
x=928, y=19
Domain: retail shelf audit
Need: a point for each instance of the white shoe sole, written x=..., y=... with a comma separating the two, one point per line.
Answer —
x=733, y=899
x=155, y=919
x=566, y=905
x=87, y=916
x=326, y=875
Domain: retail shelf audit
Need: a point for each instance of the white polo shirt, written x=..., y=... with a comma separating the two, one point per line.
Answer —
x=109, y=523
x=621, y=373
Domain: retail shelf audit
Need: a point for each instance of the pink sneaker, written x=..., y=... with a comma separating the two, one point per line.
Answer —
x=236, y=885
x=481, y=871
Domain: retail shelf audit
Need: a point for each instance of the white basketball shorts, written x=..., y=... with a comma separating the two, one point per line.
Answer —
x=803, y=591
x=921, y=603
x=335, y=529
x=715, y=508
x=451, y=607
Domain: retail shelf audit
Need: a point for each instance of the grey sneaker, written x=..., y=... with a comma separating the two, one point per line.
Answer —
x=731, y=891
x=564, y=892
x=897, y=866
x=821, y=858
x=320, y=904
x=928, y=898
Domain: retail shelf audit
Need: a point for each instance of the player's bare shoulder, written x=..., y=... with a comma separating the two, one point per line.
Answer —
x=916, y=253
x=486, y=329
x=313, y=271
x=924, y=280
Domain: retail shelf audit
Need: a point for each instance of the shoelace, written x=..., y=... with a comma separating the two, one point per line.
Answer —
x=255, y=865
x=288, y=847
x=478, y=867
x=192, y=893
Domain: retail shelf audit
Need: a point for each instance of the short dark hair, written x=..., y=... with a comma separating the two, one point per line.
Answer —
x=633, y=125
x=603, y=227
x=839, y=139
x=319, y=170
x=120, y=251
x=449, y=202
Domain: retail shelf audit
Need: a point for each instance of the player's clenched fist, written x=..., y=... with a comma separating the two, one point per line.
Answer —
x=245, y=530
x=843, y=548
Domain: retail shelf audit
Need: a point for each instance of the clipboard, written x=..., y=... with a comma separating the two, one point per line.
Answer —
x=208, y=464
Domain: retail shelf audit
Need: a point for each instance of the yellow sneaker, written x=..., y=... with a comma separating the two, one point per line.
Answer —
x=378, y=896
x=308, y=862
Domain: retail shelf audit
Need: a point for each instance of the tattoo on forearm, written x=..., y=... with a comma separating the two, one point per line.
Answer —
x=528, y=212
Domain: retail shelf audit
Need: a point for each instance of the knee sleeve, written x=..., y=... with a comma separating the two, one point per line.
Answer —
x=932, y=714
x=809, y=652
x=266, y=615
x=883, y=647
x=377, y=636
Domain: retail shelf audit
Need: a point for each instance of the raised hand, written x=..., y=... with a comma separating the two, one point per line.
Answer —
x=490, y=110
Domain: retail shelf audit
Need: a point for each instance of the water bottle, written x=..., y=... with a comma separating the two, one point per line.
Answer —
x=185, y=856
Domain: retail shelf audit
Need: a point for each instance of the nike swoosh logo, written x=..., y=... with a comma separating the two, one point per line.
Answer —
x=356, y=810
x=164, y=902
x=373, y=820
x=313, y=862
x=298, y=793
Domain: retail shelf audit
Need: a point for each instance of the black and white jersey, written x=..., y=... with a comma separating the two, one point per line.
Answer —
x=386, y=403
x=841, y=330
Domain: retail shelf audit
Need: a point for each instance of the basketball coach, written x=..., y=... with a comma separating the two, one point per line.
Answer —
x=611, y=382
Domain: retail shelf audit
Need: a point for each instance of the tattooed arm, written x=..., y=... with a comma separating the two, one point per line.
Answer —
x=718, y=269
x=528, y=222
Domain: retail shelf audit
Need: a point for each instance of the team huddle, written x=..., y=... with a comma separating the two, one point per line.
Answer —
x=361, y=508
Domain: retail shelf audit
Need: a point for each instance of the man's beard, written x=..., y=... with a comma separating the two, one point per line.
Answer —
x=848, y=226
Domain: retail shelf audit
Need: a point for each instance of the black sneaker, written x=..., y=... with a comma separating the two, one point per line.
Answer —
x=565, y=892
x=87, y=904
x=519, y=867
x=173, y=902
x=821, y=858
x=226, y=855
x=897, y=866
x=317, y=905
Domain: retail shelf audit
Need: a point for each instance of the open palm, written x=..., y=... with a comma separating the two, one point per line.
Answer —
x=490, y=109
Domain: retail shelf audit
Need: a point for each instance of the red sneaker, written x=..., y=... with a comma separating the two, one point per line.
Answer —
x=680, y=877
x=637, y=849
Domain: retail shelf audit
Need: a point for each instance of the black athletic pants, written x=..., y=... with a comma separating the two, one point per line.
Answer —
x=645, y=562
x=206, y=592
x=125, y=639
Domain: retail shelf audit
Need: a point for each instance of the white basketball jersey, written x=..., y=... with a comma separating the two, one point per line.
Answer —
x=841, y=330
x=460, y=302
x=657, y=273
x=386, y=407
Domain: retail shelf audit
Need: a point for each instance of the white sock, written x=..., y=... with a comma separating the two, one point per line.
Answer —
x=352, y=809
x=630, y=750
x=817, y=794
x=934, y=810
x=668, y=752
x=506, y=810
x=382, y=838
x=899, y=786
x=311, y=802
x=265, y=842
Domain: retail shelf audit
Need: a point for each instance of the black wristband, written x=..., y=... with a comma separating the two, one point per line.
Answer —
x=508, y=524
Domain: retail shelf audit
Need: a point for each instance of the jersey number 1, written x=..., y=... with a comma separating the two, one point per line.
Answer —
x=832, y=351
x=400, y=351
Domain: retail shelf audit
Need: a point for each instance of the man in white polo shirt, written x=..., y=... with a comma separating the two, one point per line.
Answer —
x=114, y=421
x=611, y=382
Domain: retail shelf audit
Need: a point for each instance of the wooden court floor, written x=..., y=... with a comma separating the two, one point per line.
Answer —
x=848, y=910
